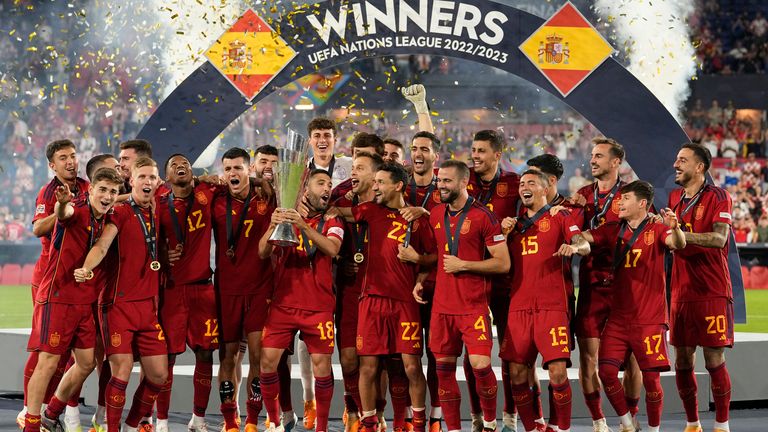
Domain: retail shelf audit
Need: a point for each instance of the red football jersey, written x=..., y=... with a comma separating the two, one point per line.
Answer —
x=133, y=279
x=701, y=273
x=72, y=239
x=465, y=292
x=427, y=197
x=542, y=281
x=595, y=270
x=195, y=224
x=245, y=273
x=639, y=285
x=350, y=285
x=46, y=200
x=501, y=195
x=386, y=275
x=299, y=277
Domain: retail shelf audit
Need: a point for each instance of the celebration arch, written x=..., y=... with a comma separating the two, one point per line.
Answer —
x=315, y=37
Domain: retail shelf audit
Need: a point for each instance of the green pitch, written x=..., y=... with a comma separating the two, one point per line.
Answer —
x=16, y=309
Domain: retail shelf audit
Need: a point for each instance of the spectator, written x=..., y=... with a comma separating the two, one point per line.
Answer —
x=576, y=182
x=715, y=113
x=730, y=147
x=762, y=228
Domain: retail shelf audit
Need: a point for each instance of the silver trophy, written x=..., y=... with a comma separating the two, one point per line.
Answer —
x=290, y=177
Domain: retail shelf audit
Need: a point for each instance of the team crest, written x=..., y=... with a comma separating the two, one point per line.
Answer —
x=699, y=214
x=615, y=206
x=414, y=226
x=116, y=340
x=118, y=399
x=201, y=198
x=544, y=225
x=465, y=226
x=261, y=207
x=54, y=339
x=359, y=342
x=502, y=189
x=436, y=197
x=649, y=237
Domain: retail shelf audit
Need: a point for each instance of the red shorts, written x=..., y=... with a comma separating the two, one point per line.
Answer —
x=592, y=311
x=284, y=322
x=188, y=316
x=388, y=326
x=132, y=328
x=58, y=327
x=706, y=323
x=449, y=333
x=346, y=318
x=648, y=342
x=531, y=332
x=240, y=315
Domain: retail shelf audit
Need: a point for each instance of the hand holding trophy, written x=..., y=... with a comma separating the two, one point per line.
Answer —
x=290, y=178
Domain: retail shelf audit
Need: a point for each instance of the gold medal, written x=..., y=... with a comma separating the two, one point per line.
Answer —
x=359, y=257
x=89, y=276
x=154, y=265
x=230, y=253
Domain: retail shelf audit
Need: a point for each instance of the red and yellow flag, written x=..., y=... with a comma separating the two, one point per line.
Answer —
x=566, y=49
x=250, y=54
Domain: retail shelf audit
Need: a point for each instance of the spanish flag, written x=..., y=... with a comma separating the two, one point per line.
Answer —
x=250, y=54
x=566, y=49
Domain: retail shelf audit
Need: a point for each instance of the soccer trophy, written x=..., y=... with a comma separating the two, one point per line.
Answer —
x=289, y=183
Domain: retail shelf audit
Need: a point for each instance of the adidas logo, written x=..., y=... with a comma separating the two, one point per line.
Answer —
x=391, y=216
x=482, y=337
x=437, y=226
x=661, y=357
x=565, y=350
x=417, y=345
x=722, y=337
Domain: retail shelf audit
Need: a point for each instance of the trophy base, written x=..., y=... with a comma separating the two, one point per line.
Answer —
x=284, y=236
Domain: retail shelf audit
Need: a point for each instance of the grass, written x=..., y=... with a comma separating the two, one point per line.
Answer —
x=16, y=309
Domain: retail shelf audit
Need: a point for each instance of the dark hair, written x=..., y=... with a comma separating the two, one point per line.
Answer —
x=702, y=154
x=107, y=174
x=432, y=137
x=641, y=189
x=266, y=149
x=396, y=172
x=321, y=123
x=540, y=174
x=317, y=171
x=616, y=150
x=363, y=140
x=495, y=138
x=57, y=145
x=376, y=160
x=167, y=161
x=548, y=164
x=460, y=166
x=90, y=167
x=140, y=146
x=237, y=152
x=394, y=142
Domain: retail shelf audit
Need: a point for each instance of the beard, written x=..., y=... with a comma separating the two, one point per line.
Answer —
x=452, y=196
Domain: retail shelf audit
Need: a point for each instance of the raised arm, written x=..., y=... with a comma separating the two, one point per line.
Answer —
x=97, y=253
x=417, y=95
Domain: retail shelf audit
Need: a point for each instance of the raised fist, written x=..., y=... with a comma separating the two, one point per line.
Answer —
x=417, y=95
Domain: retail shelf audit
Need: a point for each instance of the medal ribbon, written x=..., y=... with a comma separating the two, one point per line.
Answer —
x=308, y=246
x=525, y=222
x=180, y=233
x=689, y=206
x=486, y=195
x=618, y=253
x=232, y=239
x=599, y=213
x=150, y=236
x=412, y=195
x=453, y=242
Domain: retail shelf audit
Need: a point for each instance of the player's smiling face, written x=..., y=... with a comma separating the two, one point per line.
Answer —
x=686, y=166
x=235, y=174
x=179, y=170
x=449, y=184
x=602, y=163
x=531, y=190
x=630, y=205
x=483, y=157
x=362, y=175
x=384, y=187
x=393, y=153
x=319, y=191
x=144, y=181
x=423, y=156
x=102, y=196
x=264, y=166
x=322, y=142
x=64, y=164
